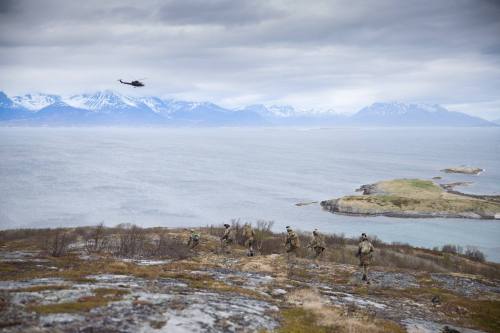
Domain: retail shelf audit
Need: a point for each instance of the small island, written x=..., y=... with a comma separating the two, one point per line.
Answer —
x=464, y=170
x=414, y=198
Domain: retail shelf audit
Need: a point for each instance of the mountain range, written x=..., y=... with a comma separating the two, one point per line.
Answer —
x=108, y=108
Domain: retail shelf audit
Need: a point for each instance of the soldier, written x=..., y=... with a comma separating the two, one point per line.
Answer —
x=194, y=239
x=317, y=244
x=249, y=235
x=292, y=244
x=365, y=254
x=227, y=239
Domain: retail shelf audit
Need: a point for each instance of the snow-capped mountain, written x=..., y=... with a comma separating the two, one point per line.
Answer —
x=102, y=100
x=403, y=114
x=156, y=104
x=288, y=115
x=5, y=101
x=111, y=108
x=397, y=108
x=35, y=102
x=9, y=110
x=278, y=111
x=282, y=110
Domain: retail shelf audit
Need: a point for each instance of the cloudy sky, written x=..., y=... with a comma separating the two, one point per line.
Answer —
x=310, y=54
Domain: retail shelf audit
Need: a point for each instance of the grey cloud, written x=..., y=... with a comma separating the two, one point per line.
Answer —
x=337, y=54
x=221, y=12
x=8, y=7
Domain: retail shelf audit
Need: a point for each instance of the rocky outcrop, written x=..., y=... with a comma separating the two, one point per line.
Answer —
x=465, y=170
x=451, y=186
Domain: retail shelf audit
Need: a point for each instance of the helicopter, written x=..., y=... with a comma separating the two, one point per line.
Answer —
x=135, y=83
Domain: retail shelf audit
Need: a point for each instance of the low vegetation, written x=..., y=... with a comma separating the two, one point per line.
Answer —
x=134, y=242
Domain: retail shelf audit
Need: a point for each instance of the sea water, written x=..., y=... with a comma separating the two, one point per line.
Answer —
x=168, y=177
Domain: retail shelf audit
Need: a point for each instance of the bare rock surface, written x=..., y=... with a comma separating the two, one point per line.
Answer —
x=392, y=280
x=164, y=305
x=425, y=326
x=466, y=286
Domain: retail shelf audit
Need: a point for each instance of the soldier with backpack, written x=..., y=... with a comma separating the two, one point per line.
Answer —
x=249, y=235
x=292, y=244
x=194, y=239
x=227, y=239
x=365, y=254
x=317, y=244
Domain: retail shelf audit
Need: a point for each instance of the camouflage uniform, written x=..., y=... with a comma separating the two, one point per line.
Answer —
x=227, y=239
x=365, y=254
x=249, y=235
x=317, y=244
x=194, y=239
x=292, y=244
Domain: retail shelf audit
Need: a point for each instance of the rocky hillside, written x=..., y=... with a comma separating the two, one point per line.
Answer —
x=80, y=280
